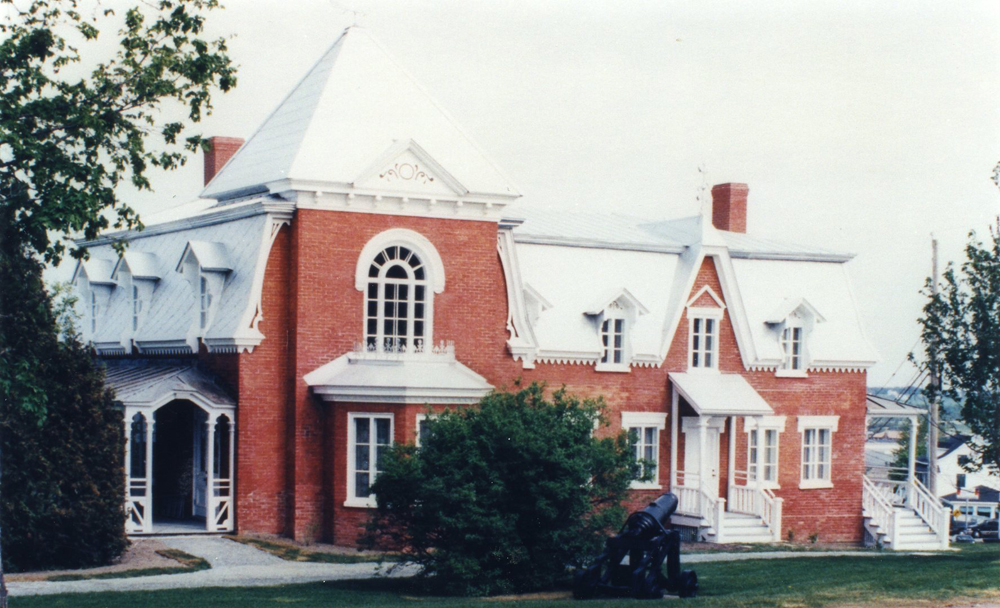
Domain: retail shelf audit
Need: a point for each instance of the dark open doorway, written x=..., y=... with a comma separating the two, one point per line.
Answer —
x=179, y=475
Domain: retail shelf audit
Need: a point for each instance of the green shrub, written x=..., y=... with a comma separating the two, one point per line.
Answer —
x=506, y=496
x=62, y=484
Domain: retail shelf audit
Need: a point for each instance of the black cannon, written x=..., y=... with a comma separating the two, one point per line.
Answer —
x=645, y=541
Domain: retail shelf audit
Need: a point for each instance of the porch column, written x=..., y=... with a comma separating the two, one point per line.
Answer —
x=232, y=454
x=759, y=456
x=148, y=521
x=732, y=452
x=912, y=463
x=673, y=439
x=702, y=451
x=209, y=474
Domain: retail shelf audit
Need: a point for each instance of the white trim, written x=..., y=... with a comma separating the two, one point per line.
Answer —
x=405, y=238
x=825, y=422
x=753, y=424
x=711, y=292
x=764, y=422
x=657, y=419
x=352, y=500
x=401, y=147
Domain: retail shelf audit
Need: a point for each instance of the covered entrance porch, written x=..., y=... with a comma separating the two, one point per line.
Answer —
x=900, y=512
x=739, y=507
x=180, y=447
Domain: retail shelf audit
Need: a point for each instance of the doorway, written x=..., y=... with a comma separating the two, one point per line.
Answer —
x=692, y=451
x=179, y=467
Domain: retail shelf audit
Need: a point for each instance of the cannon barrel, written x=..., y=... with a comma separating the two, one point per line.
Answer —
x=653, y=519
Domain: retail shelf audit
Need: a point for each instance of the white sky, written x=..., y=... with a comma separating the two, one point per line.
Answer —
x=859, y=125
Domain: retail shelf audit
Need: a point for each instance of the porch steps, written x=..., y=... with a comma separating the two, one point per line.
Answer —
x=914, y=533
x=742, y=528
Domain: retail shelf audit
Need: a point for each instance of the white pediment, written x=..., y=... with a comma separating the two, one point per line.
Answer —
x=407, y=168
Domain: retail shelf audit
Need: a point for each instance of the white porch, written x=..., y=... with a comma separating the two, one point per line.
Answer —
x=752, y=512
x=900, y=512
x=180, y=447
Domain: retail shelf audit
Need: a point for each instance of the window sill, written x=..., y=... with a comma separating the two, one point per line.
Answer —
x=702, y=370
x=361, y=503
x=644, y=485
x=815, y=484
x=791, y=373
x=613, y=367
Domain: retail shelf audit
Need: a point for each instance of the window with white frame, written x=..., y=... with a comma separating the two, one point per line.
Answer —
x=397, y=302
x=763, y=436
x=204, y=301
x=95, y=310
x=369, y=435
x=793, y=346
x=704, y=339
x=817, y=450
x=613, y=340
x=644, y=430
x=137, y=306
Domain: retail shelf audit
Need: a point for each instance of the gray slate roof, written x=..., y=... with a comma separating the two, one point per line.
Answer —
x=143, y=381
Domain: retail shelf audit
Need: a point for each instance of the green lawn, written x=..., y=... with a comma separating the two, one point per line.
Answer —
x=973, y=571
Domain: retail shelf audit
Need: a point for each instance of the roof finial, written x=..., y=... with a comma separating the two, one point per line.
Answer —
x=354, y=13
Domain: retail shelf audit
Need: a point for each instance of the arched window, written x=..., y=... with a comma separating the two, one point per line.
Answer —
x=396, y=302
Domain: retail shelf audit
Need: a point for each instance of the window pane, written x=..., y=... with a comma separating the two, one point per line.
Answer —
x=403, y=292
x=362, y=457
x=420, y=292
x=361, y=430
x=418, y=328
x=372, y=308
x=362, y=485
x=694, y=359
x=373, y=271
x=709, y=326
x=708, y=359
x=379, y=455
x=373, y=291
x=418, y=311
x=619, y=326
x=401, y=309
x=382, y=431
x=380, y=259
x=419, y=274
x=390, y=291
x=372, y=326
x=697, y=326
x=401, y=328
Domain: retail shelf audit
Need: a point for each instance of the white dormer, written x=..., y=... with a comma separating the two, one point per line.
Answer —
x=137, y=274
x=793, y=322
x=534, y=303
x=615, y=316
x=205, y=266
x=92, y=279
x=704, y=313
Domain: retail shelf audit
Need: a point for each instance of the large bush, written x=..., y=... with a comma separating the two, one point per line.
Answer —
x=62, y=484
x=506, y=496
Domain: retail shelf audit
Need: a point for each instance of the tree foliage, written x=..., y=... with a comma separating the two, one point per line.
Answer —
x=63, y=481
x=505, y=496
x=960, y=331
x=67, y=142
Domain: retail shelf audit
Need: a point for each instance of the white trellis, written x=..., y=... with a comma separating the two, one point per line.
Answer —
x=139, y=428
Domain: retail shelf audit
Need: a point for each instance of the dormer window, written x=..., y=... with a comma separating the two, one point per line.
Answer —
x=613, y=340
x=793, y=323
x=93, y=279
x=94, y=311
x=791, y=347
x=204, y=302
x=136, y=308
x=704, y=311
x=206, y=266
x=615, y=316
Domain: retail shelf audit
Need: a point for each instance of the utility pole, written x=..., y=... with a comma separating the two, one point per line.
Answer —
x=932, y=406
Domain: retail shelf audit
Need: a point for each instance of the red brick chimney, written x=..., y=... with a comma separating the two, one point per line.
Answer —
x=729, y=207
x=220, y=150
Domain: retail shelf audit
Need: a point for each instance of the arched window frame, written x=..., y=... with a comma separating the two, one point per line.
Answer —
x=433, y=282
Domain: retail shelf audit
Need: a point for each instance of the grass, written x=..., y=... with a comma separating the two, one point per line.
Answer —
x=882, y=581
x=190, y=563
x=294, y=553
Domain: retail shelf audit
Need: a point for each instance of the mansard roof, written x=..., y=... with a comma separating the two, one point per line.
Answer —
x=576, y=257
x=355, y=106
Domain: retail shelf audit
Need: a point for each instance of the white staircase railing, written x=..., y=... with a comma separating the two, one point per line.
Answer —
x=879, y=508
x=760, y=502
x=694, y=501
x=931, y=510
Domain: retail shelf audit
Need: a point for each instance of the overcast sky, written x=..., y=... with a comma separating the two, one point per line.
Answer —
x=859, y=125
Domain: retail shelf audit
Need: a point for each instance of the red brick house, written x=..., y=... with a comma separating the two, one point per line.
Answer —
x=358, y=258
